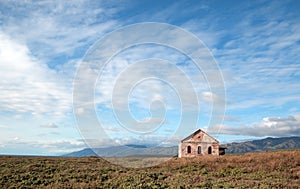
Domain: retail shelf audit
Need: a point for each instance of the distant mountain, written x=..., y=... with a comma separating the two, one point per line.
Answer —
x=267, y=144
x=127, y=151
x=82, y=153
x=136, y=146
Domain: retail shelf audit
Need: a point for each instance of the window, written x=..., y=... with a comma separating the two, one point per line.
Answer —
x=189, y=149
x=209, y=150
x=199, y=149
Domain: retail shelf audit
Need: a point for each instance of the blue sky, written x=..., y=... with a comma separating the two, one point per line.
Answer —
x=256, y=45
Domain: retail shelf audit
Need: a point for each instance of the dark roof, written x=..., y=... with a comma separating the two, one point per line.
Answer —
x=196, y=132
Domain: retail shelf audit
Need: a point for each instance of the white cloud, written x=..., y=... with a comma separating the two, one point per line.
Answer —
x=148, y=124
x=27, y=85
x=269, y=126
x=46, y=147
x=61, y=146
x=79, y=111
x=211, y=97
x=49, y=125
x=167, y=81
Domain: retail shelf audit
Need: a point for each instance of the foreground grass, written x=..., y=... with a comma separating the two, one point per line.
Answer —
x=257, y=170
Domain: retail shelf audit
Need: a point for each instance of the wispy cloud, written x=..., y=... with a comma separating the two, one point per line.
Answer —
x=55, y=28
x=50, y=125
x=261, y=54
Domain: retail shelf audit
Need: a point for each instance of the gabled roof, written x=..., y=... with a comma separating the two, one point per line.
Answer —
x=196, y=132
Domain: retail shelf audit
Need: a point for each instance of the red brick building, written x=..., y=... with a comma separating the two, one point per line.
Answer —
x=198, y=144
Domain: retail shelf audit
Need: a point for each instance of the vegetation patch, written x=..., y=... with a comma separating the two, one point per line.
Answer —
x=256, y=170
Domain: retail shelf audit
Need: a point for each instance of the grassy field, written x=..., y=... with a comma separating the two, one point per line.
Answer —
x=256, y=170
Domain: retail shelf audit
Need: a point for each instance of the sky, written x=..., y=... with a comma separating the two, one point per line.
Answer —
x=57, y=96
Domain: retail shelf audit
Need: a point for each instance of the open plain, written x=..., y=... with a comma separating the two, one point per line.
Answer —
x=279, y=169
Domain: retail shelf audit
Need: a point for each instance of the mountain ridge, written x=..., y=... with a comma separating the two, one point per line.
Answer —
x=266, y=144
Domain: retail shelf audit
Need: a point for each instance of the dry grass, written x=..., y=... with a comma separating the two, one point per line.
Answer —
x=256, y=170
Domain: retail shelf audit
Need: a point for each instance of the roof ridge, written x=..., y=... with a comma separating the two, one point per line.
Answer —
x=194, y=133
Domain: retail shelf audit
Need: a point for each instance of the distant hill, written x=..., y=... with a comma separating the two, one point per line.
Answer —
x=82, y=153
x=267, y=144
x=127, y=151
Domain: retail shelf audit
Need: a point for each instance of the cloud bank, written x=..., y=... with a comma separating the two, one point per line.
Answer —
x=269, y=126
